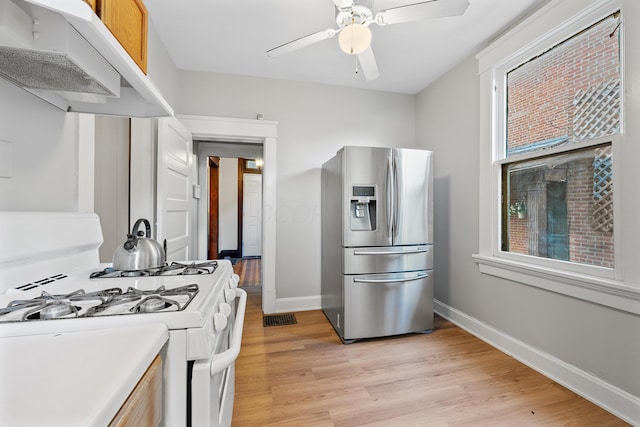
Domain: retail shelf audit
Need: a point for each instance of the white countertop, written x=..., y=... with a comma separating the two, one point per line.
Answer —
x=73, y=378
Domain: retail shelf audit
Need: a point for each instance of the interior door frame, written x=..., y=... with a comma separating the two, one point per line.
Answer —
x=207, y=128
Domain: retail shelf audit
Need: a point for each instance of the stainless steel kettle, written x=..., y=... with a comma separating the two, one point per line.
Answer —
x=140, y=251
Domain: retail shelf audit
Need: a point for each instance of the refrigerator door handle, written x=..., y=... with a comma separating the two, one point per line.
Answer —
x=398, y=203
x=398, y=252
x=396, y=200
x=390, y=196
x=398, y=280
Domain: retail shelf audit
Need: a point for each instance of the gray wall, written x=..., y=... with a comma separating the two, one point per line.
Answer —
x=40, y=150
x=596, y=339
x=160, y=67
x=314, y=121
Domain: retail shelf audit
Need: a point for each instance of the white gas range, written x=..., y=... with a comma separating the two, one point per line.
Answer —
x=51, y=282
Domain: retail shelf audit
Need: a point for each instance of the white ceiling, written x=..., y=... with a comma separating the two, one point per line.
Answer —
x=232, y=37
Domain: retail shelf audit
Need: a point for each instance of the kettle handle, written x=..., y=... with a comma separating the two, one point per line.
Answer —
x=147, y=227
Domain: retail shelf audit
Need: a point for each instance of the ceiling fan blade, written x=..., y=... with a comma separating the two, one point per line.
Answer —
x=343, y=4
x=368, y=64
x=420, y=11
x=301, y=42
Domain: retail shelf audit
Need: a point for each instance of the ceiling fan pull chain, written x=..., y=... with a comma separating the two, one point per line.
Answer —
x=356, y=57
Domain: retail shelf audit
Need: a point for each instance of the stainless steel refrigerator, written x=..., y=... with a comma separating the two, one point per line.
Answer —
x=377, y=242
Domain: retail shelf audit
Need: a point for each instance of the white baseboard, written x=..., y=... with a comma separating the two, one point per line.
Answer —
x=287, y=305
x=620, y=403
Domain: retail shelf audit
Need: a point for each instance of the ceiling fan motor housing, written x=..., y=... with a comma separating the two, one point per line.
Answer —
x=358, y=14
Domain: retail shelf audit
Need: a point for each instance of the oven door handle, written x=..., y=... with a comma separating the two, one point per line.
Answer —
x=222, y=360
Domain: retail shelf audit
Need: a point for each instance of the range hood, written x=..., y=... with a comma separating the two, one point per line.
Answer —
x=60, y=51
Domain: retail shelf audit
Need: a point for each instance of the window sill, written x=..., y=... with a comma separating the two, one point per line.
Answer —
x=610, y=293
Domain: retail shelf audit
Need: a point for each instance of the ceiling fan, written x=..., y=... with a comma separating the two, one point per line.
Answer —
x=354, y=19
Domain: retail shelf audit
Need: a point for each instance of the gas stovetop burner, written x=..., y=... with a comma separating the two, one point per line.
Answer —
x=152, y=304
x=134, y=273
x=53, y=310
x=45, y=307
x=173, y=269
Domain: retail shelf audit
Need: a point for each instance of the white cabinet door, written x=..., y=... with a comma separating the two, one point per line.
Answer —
x=174, y=188
x=252, y=215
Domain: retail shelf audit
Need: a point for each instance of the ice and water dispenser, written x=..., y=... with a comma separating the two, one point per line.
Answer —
x=363, y=208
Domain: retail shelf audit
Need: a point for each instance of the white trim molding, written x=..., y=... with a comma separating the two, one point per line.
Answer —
x=620, y=403
x=607, y=292
x=288, y=305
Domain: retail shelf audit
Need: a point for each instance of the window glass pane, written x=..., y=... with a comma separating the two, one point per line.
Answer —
x=561, y=207
x=569, y=93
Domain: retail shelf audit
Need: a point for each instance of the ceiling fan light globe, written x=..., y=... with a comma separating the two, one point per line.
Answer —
x=354, y=39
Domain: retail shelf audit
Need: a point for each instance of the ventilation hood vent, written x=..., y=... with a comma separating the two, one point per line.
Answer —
x=61, y=52
x=51, y=71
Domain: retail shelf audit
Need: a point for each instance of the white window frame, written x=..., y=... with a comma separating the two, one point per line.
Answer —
x=551, y=25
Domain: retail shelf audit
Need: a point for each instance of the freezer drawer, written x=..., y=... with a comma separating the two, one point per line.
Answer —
x=377, y=305
x=390, y=259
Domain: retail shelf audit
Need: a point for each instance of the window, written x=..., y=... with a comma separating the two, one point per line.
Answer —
x=562, y=114
x=251, y=165
x=559, y=145
x=560, y=207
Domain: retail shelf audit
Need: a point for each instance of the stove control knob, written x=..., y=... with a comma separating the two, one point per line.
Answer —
x=225, y=309
x=229, y=295
x=219, y=321
x=235, y=279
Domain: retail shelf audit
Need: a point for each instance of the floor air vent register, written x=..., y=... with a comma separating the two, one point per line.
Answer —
x=278, y=319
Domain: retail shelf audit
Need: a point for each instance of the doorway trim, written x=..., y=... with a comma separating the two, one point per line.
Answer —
x=217, y=129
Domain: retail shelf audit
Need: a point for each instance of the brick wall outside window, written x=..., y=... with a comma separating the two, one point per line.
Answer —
x=541, y=108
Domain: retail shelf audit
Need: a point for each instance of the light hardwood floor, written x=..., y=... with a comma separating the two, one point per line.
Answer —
x=249, y=271
x=302, y=375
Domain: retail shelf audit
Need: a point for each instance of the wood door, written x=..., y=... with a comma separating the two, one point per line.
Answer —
x=557, y=221
x=214, y=206
x=252, y=215
x=174, y=188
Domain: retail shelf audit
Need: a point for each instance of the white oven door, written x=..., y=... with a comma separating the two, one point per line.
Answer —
x=213, y=379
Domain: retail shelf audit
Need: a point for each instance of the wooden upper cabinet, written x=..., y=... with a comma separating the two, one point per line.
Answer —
x=127, y=21
x=91, y=3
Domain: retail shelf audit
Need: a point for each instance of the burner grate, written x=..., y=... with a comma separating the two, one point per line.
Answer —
x=107, y=302
x=173, y=269
x=278, y=319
